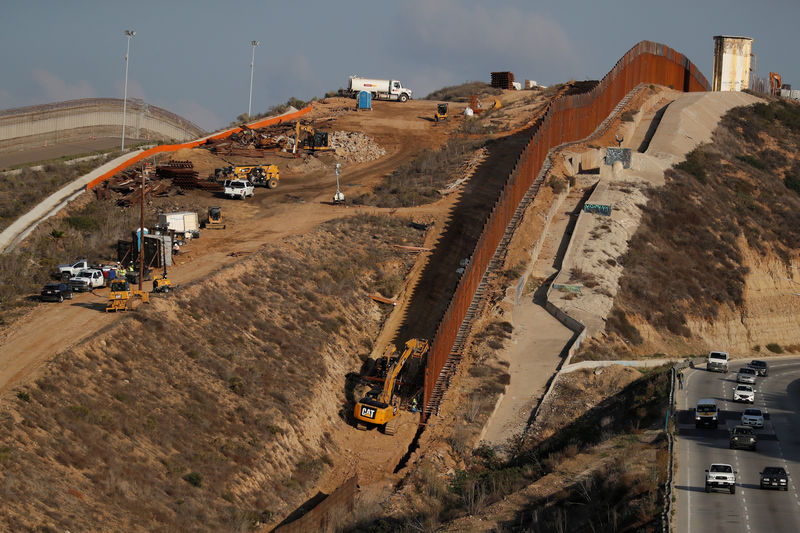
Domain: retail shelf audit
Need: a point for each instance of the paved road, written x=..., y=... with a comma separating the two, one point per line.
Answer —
x=750, y=509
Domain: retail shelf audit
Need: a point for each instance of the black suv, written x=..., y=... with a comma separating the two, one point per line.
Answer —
x=759, y=366
x=774, y=477
x=743, y=437
x=56, y=292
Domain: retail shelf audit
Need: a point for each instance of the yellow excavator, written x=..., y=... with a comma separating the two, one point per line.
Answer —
x=379, y=407
x=312, y=141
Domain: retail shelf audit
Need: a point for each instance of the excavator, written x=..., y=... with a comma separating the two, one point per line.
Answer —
x=775, y=84
x=313, y=140
x=379, y=407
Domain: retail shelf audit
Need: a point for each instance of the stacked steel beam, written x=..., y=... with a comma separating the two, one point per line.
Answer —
x=182, y=174
x=503, y=80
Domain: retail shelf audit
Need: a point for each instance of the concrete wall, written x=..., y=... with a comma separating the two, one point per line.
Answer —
x=731, y=63
x=97, y=117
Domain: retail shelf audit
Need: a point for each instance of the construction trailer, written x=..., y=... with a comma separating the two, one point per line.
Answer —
x=184, y=223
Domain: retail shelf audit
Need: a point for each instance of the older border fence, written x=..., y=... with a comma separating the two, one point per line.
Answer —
x=567, y=119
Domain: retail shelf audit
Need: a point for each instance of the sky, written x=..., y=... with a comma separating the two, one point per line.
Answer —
x=193, y=57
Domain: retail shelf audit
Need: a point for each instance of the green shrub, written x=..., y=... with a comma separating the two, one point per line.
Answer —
x=752, y=161
x=24, y=396
x=774, y=347
x=695, y=165
x=194, y=478
x=792, y=182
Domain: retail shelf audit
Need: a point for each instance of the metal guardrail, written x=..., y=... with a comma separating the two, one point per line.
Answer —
x=567, y=119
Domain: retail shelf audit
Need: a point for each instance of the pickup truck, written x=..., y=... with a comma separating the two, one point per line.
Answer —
x=721, y=476
x=86, y=280
x=67, y=271
x=239, y=189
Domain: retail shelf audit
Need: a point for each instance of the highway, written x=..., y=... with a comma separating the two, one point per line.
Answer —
x=750, y=509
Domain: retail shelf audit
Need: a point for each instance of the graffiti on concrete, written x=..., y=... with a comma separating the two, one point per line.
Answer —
x=623, y=155
x=599, y=209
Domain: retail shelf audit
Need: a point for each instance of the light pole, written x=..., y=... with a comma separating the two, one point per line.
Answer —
x=129, y=33
x=252, y=62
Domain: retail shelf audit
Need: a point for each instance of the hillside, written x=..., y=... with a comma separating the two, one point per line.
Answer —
x=713, y=264
x=226, y=405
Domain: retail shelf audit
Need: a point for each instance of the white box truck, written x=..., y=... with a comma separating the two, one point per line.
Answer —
x=182, y=222
x=379, y=89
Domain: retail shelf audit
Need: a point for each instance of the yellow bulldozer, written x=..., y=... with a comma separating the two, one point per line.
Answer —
x=120, y=298
x=379, y=407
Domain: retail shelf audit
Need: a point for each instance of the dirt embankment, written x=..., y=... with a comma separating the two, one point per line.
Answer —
x=221, y=403
x=215, y=404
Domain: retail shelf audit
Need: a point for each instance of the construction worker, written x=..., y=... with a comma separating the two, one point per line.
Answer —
x=414, y=405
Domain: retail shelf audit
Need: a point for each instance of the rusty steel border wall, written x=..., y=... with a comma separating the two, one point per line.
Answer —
x=567, y=119
x=323, y=515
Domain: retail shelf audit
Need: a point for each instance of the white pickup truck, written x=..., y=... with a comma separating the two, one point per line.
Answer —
x=721, y=476
x=67, y=271
x=239, y=189
x=87, y=280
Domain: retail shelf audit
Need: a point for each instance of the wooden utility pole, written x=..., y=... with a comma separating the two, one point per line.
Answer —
x=141, y=237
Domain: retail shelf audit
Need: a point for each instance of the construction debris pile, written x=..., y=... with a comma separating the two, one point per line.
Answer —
x=128, y=186
x=184, y=176
x=254, y=142
x=355, y=147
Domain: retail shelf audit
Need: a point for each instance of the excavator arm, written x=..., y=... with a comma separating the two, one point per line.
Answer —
x=414, y=348
x=376, y=407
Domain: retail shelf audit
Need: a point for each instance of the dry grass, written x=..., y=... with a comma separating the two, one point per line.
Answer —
x=205, y=411
x=685, y=259
x=419, y=181
x=20, y=191
x=461, y=93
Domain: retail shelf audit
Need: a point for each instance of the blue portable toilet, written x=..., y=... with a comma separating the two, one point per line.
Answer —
x=364, y=100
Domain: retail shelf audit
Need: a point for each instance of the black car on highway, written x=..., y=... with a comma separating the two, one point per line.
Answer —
x=743, y=437
x=56, y=292
x=774, y=477
x=759, y=366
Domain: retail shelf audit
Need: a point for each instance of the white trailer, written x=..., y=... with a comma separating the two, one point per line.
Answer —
x=182, y=222
x=379, y=89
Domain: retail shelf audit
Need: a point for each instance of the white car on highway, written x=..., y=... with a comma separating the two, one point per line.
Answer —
x=746, y=375
x=744, y=393
x=753, y=417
